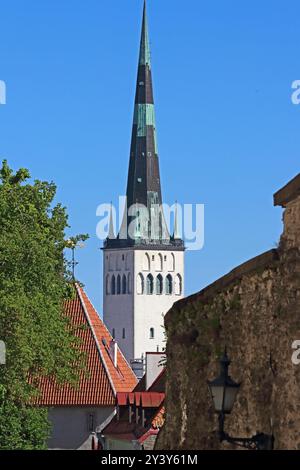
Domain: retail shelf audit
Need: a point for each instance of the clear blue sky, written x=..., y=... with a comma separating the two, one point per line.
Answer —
x=228, y=132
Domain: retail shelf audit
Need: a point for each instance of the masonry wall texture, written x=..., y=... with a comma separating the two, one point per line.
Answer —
x=255, y=311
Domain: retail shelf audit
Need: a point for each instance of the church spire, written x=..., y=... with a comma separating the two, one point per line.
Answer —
x=145, y=222
x=143, y=185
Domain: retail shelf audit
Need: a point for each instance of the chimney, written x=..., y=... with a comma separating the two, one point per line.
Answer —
x=113, y=350
x=153, y=366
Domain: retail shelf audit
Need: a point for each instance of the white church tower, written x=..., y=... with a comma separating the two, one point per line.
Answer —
x=143, y=265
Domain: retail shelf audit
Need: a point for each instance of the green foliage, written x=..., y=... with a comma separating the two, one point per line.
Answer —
x=39, y=340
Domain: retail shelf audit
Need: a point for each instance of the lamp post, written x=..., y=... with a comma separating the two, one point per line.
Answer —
x=223, y=391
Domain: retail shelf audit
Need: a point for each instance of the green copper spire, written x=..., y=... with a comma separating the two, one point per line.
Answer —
x=145, y=57
x=147, y=225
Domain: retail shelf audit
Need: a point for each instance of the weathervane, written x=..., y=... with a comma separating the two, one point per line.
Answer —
x=73, y=243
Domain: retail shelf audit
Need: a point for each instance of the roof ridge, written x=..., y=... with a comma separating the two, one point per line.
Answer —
x=101, y=322
x=119, y=350
x=160, y=375
x=78, y=288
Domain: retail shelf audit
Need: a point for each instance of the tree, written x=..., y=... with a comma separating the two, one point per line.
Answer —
x=33, y=284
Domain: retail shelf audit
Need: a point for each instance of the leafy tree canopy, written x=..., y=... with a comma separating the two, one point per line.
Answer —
x=33, y=283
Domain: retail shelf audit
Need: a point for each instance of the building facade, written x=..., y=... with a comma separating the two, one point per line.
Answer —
x=76, y=412
x=143, y=265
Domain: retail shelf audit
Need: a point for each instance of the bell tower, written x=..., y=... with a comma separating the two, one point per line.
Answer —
x=143, y=269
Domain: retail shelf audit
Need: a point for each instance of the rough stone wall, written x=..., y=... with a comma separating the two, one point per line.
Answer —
x=257, y=315
x=291, y=220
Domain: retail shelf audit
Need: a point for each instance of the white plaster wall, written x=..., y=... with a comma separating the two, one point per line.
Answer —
x=70, y=427
x=118, y=309
x=135, y=312
x=149, y=310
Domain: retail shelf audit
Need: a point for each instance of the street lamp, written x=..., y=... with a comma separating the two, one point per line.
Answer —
x=223, y=391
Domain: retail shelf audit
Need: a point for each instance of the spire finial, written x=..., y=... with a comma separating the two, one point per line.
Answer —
x=176, y=235
x=111, y=231
x=145, y=48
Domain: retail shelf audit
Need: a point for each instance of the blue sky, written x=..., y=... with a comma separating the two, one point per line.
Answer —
x=228, y=132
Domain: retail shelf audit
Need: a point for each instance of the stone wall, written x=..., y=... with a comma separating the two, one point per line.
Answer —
x=255, y=311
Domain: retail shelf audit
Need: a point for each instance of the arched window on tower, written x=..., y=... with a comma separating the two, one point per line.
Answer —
x=107, y=287
x=171, y=262
x=146, y=262
x=178, y=285
x=159, y=284
x=152, y=335
x=169, y=284
x=118, y=284
x=150, y=284
x=124, y=285
x=140, y=284
x=129, y=283
x=159, y=262
x=113, y=285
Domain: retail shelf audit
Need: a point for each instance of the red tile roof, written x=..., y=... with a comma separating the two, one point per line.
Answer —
x=101, y=383
x=152, y=400
x=144, y=399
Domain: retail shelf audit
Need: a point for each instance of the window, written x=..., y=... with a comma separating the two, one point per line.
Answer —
x=129, y=283
x=140, y=285
x=139, y=180
x=124, y=334
x=153, y=257
x=107, y=287
x=119, y=284
x=123, y=257
x=113, y=333
x=91, y=422
x=113, y=285
x=159, y=263
x=159, y=284
x=151, y=333
x=146, y=262
x=124, y=285
x=149, y=284
x=165, y=258
x=169, y=284
x=171, y=263
x=178, y=285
